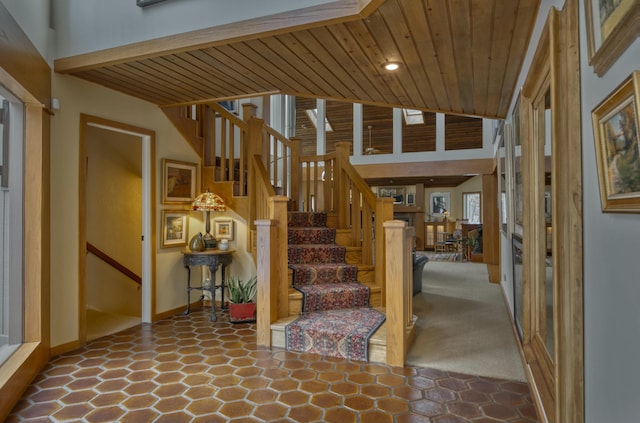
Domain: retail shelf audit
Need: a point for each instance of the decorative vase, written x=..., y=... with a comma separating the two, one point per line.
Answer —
x=223, y=244
x=197, y=243
x=244, y=312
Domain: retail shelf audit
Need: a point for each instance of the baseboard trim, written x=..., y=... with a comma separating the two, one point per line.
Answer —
x=64, y=348
x=197, y=305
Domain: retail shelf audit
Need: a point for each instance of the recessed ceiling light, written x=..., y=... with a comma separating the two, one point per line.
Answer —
x=391, y=66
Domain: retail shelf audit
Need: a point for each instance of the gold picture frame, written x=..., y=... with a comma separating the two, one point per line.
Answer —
x=175, y=228
x=179, y=181
x=616, y=128
x=612, y=25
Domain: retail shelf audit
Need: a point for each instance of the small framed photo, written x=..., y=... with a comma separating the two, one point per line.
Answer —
x=616, y=128
x=440, y=202
x=175, y=228
x=612, y=25
x=179, y=182
x=397, y=193
x=223, y=229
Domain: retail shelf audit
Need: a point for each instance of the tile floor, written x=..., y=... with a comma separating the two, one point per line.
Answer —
x=188, y=369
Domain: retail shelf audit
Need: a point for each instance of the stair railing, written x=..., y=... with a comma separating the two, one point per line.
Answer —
x=114, y=263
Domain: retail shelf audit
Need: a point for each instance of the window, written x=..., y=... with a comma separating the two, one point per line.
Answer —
x=11, y=278
x=413, y=117
x=471, y=203
x=313, y=116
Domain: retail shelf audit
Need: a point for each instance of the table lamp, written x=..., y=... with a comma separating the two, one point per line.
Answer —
x=208, y=202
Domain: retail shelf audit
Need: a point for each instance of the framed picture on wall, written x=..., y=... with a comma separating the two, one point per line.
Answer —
x=616, y=128
x=439, y=203
x=397, y=193
x=612, y=25
x=175, y=228
x=223, y=229
x=179, y=181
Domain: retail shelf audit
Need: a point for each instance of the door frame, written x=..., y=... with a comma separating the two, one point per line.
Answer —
x=558, y=387
x=147, y=138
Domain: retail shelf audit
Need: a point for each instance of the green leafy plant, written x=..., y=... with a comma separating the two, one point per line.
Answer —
x=242, y=292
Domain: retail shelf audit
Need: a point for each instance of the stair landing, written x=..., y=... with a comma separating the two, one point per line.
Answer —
x=377, y=342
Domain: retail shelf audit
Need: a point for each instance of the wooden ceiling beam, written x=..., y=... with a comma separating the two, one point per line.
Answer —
x=436, y=168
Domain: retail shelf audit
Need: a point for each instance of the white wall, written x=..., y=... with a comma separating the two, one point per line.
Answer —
x=88, y=25
x=611, y=259
x=33, y=18
x=611, y=268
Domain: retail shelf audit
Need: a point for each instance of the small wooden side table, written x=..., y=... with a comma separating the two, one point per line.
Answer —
x=213, y=259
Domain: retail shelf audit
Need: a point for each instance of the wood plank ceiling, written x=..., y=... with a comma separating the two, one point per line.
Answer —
x=456, y=56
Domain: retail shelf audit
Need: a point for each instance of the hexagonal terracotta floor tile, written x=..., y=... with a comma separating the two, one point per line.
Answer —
x=189, y=369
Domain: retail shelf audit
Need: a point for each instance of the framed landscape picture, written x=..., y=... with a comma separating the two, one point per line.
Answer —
x=612, y=25
x=175, y=228
x=179, y=181
x=616, y=127
x=223, y=229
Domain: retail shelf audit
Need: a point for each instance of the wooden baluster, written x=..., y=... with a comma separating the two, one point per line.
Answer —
x=232, y=164
x=223, y=149
x=328, y=185
x=296, y=172
x=367, y=234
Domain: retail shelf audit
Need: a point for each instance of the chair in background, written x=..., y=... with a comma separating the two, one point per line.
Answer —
x=443, y=243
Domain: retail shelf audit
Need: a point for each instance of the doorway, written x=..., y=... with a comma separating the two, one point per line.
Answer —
x=116, y=214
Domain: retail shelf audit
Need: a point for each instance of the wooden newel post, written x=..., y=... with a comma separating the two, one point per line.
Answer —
x=383, y=212
x=397, y=272
x=248, y=111
x=278, y=213
x=267, y=298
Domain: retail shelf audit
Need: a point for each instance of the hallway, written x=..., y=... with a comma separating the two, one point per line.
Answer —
x=188, y=369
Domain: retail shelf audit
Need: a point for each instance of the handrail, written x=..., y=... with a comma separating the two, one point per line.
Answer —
x=113, y=263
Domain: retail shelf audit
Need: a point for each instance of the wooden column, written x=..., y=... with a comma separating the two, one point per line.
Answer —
x=491, y=226
x=384, y=212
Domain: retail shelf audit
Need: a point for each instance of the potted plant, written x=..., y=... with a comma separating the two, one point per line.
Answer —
x=241, y=296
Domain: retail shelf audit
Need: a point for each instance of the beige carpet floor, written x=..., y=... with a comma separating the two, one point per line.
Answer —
x=463, y=323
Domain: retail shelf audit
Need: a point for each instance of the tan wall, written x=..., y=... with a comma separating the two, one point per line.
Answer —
x=76, y=97
x=472, y=185
x=114, y=219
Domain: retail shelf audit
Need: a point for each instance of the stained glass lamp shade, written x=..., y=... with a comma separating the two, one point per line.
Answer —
x=208, y=202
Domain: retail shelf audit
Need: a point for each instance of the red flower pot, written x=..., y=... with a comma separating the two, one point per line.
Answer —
x=242, y=312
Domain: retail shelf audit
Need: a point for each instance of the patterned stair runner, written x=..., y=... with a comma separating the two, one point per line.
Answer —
x=330, y=293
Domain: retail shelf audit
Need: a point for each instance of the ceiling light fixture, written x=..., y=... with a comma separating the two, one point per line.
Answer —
x=391, y=66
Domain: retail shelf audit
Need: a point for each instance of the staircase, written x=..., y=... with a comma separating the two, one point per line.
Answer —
x=328, y=284
x=358, y=264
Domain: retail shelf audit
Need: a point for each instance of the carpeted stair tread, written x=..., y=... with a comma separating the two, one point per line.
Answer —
x=316, y=253
x=335, y=318
x=306, y=219
x=333, y=296
x=319, y=273
x=311, y=235
x=341, y=333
